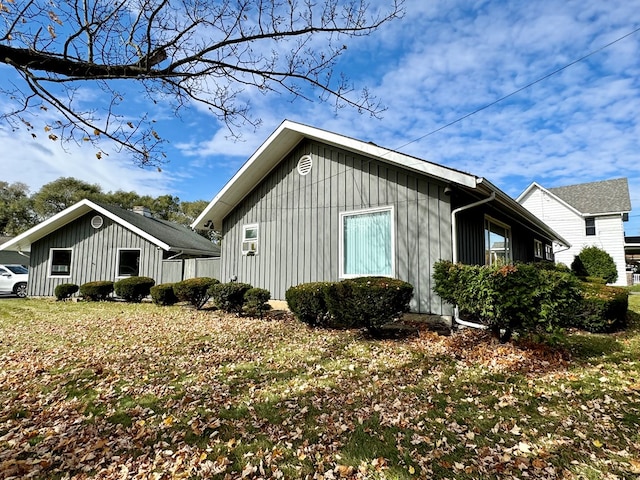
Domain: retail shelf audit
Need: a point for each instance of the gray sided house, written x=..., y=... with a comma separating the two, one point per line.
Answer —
x=312, y=205
x=91, y=241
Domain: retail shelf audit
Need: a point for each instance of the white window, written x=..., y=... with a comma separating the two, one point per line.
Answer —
x=367, y=244
x=537, y=248
x=548, y=252
x=250, y=239
x=497, y=238
x=60, y=262
x=128, y=262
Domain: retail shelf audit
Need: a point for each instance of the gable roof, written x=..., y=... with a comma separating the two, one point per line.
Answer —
x=289, y=134
x=166, y=235
x=606, y=196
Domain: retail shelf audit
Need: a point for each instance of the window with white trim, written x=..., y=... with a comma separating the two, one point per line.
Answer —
x=590, y=226
x=497, y=241
x=537, y=248
x=128, y=262
x=548, y=252
x=60, y=262
x=250, y=239
x=367, y=244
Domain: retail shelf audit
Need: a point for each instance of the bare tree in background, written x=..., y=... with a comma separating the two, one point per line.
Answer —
x=180, y=51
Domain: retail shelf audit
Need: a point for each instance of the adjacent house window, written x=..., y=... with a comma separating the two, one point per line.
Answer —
x=128, y=263
x=60, y=262
x=497, y=237
x=548, y=252
x=250, y=239
x=367, y=243
x=537, y=248
x=590, y=226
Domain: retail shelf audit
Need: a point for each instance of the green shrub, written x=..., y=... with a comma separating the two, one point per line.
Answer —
x=603, y=309
x=366, y=302
x=508, y=298
x=96, y=291
x=194, y=290
x=595, y=262
x=376, y=301
x=163, y=294
x=255, y=300
x=133, y=289
x=229, y=297
x=306, y=302
x=65, y=290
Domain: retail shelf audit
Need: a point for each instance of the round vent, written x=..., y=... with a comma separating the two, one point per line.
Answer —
x=304, y=164
x=97, y=221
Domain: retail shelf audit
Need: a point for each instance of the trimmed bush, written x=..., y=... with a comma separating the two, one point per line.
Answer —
x=366, y=302
x=306, y=302
x=133, y=289
x=229, y=297
x=255, y=300
x=595, y=262
x=163, y=294
x=96, y=291
x=603, y=309
x=194, y=290
x=522, y=297
x=65, y=290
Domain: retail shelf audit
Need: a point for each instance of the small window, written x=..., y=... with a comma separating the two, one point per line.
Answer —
x=590, y=226
x=128, y=263
x=250, y=239
x=548, y=252
x=537, y=248
x=497, y=237
x=60, y=261
x=367, y=243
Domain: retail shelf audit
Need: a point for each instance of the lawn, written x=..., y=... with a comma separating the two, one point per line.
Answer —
x=124, y=391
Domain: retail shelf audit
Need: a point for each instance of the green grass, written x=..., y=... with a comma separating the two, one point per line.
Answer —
x=92, y=388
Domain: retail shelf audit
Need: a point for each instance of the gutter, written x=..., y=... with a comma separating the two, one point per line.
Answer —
x=454, y=241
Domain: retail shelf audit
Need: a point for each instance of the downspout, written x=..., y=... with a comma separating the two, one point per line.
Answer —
x=20, y=252
x=454, y=241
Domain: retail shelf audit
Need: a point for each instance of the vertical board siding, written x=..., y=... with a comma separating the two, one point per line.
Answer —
x=299, y=221
x=94, y=254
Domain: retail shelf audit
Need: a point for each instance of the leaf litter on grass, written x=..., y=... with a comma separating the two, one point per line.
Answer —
x=134, y=391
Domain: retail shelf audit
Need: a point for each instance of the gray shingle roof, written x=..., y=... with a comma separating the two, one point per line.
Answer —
x=597, y=197
x=179, y=237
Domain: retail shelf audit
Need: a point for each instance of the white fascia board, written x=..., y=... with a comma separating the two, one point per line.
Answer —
x=129, y=226
x=22, y=242
x=527, y=190
x=285, y=138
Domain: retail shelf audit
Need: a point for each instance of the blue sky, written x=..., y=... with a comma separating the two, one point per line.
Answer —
x=442, y=61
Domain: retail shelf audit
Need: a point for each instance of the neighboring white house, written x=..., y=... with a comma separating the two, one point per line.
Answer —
x=587, y=214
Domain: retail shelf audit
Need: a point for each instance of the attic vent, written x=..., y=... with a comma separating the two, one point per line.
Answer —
x=97, y=221
x=304, y=164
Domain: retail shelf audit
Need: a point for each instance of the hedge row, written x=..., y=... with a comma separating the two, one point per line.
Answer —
x=229, y=297
x=529, y=297
x=366, y=302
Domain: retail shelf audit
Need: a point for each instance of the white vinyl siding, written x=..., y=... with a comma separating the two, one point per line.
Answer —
x=367, y=243
x=609, y=230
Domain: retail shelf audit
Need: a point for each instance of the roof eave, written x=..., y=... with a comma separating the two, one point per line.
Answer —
x=283, y=140
x=518, y=209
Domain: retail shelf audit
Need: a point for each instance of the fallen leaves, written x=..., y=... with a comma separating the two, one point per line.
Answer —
x=133, y=391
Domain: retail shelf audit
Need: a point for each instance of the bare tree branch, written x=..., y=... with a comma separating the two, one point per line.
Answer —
x=205, y=51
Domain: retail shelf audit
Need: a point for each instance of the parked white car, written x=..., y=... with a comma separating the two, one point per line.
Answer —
x=13, y=280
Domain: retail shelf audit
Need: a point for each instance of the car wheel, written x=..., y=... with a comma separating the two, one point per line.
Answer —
x=20, y=290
